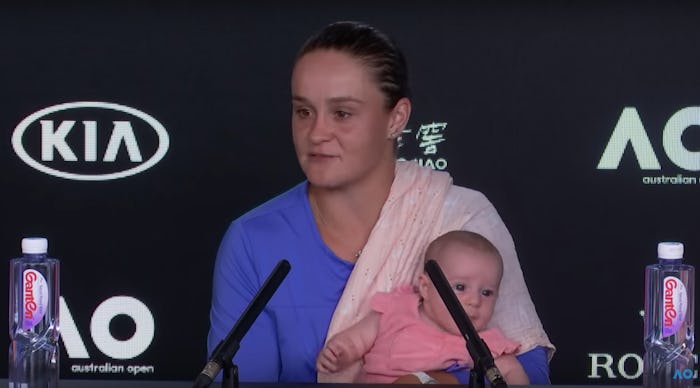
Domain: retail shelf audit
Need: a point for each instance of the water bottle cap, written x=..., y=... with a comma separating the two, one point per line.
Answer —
x=35, y=245
x=670, y=250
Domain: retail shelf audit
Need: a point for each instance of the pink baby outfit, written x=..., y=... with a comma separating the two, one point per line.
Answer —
x=406, y=343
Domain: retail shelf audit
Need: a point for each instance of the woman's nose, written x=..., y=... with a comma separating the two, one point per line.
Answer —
x=320, y=131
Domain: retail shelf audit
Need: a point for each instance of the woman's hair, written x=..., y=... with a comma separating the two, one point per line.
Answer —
x=372, y=47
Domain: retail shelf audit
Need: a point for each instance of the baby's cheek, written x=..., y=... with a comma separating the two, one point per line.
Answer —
x=450, y=326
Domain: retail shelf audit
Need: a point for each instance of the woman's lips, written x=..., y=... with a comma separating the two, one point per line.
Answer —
x=320, y=157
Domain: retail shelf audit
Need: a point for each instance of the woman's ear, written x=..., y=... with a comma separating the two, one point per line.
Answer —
x=399, y=118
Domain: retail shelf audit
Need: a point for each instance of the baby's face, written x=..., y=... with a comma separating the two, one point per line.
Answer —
x=474, y=277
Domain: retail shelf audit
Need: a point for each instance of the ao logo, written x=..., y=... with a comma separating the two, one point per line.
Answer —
x=56, y=124
x=629, y=129
x=99, y=329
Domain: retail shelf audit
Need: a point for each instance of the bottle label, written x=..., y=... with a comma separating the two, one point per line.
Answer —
x=675, y=305
x=35, y=298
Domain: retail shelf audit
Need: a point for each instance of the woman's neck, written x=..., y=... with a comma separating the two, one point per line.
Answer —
x=346, y=216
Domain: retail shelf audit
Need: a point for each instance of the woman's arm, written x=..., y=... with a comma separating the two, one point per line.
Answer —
x=533, y=362
x=536, y=365
x=441, y=377
x=511, y=370
x=235, y=284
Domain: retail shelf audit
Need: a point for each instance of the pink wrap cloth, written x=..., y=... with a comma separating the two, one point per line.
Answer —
x=423, y=204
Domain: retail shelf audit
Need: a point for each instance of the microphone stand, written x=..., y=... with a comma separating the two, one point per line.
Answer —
x=225, y=361
x=484, y=366
x=230, y=375
x=222, y=356
x=476, y=374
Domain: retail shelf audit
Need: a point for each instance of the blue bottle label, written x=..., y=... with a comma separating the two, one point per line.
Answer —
x=675, y=305
x=35, y=298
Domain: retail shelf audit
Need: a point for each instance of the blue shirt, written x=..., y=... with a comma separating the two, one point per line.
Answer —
x=283, y=343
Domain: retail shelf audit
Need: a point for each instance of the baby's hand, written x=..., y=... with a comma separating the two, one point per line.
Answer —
x=338, y=354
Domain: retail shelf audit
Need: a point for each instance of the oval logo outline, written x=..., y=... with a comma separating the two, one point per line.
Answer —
x=163, y=140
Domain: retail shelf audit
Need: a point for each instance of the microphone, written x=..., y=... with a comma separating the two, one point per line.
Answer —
x=478, y=350
x=227, y=348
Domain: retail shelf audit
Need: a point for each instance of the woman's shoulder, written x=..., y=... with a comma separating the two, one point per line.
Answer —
x=460, y=198
x=274, y=229
x=465, y=193
x=290, y=201
x=466, y=208
x=273, y=216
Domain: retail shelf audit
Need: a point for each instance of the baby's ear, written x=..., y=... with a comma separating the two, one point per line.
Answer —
x=423, y=284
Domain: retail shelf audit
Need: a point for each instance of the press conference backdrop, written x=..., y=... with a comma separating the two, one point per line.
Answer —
x=133, y=134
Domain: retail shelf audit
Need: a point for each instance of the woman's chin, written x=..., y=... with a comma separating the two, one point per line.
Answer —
x=324, y=182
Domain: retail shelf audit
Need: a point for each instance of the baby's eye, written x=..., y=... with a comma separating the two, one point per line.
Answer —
x=459, y=287
x=487, y=292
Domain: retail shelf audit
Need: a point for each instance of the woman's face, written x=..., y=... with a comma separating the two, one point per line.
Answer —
x=342, y=129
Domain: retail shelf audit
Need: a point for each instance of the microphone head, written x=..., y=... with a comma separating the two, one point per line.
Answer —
x=284, y=266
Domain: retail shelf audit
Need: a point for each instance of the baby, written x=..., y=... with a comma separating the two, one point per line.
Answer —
x=411, y=331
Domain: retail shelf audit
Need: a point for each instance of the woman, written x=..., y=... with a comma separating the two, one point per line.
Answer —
x=359, y=224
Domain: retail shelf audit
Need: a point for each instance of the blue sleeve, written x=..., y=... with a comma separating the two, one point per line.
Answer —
x=235, y=282
x=534, y=363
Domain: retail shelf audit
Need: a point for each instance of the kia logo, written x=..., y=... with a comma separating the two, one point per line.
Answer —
x=90, y=141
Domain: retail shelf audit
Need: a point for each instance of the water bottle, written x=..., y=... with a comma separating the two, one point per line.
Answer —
x=669, y=311
x=34, y=329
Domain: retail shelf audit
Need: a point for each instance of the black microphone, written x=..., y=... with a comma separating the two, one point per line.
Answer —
x=477, y=348
x=227, y=348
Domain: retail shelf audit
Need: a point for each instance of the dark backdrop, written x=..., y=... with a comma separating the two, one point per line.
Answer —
x=523, y=98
